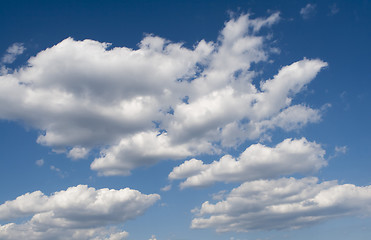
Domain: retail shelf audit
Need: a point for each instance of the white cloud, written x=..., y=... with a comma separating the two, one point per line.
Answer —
x=187, y=169
x=129, y=103
x=12, y=52
x=78, y=152
x=341, y=150
x=256, y=162
x=166, y=188
x=118, y=236
x=308, y=11
x=219, y=195
x=141, y=149
x=77, y=213
x=39, y=162
x=283, y=203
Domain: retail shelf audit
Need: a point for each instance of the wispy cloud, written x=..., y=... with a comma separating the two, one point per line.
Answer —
x=334, y=9
x=166, y=188
x=39, y=162
x=308, y=11
x=12, y=52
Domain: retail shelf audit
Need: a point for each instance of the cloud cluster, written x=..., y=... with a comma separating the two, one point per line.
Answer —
x=160, y=101
x=256, y=162
x=283, y=203
x=77, y=213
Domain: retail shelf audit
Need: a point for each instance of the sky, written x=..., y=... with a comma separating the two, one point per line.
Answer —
x=183, y=120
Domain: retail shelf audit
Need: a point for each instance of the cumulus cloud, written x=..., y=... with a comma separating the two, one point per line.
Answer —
x=77, y=213
x=283, y=203
x=308, y=11
x=158, y=102
x=12, y=52
x=256, y=162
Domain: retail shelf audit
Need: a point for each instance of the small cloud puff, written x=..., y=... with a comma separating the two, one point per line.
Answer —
x=308, y=11
x=166, y=188
x=39, y=162
x=341, y=150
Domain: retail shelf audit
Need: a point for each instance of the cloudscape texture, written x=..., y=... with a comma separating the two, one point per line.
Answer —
x=225, y=137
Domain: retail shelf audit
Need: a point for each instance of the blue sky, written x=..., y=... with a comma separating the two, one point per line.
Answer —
x=206, y=120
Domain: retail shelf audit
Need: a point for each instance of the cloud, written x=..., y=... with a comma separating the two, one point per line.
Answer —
x=308, y=11
x=333, y=9
x=78, y=152
x=162, y=101
x=77, y=213
x=153, y=237
x=12, y=52
x=139, y=150
x=285, y=203
x=39, y=162
x=166, y=188
x=256, y=162
x=118, y=236
x=341, y=150
x=58, y=171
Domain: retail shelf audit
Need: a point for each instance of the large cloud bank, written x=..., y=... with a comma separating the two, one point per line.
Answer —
x=77, y=213
x=160, y=101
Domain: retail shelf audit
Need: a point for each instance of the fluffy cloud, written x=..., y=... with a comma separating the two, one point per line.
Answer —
x=256, y=162
x=283, y=203
x=77, y=213
x=160, y=101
